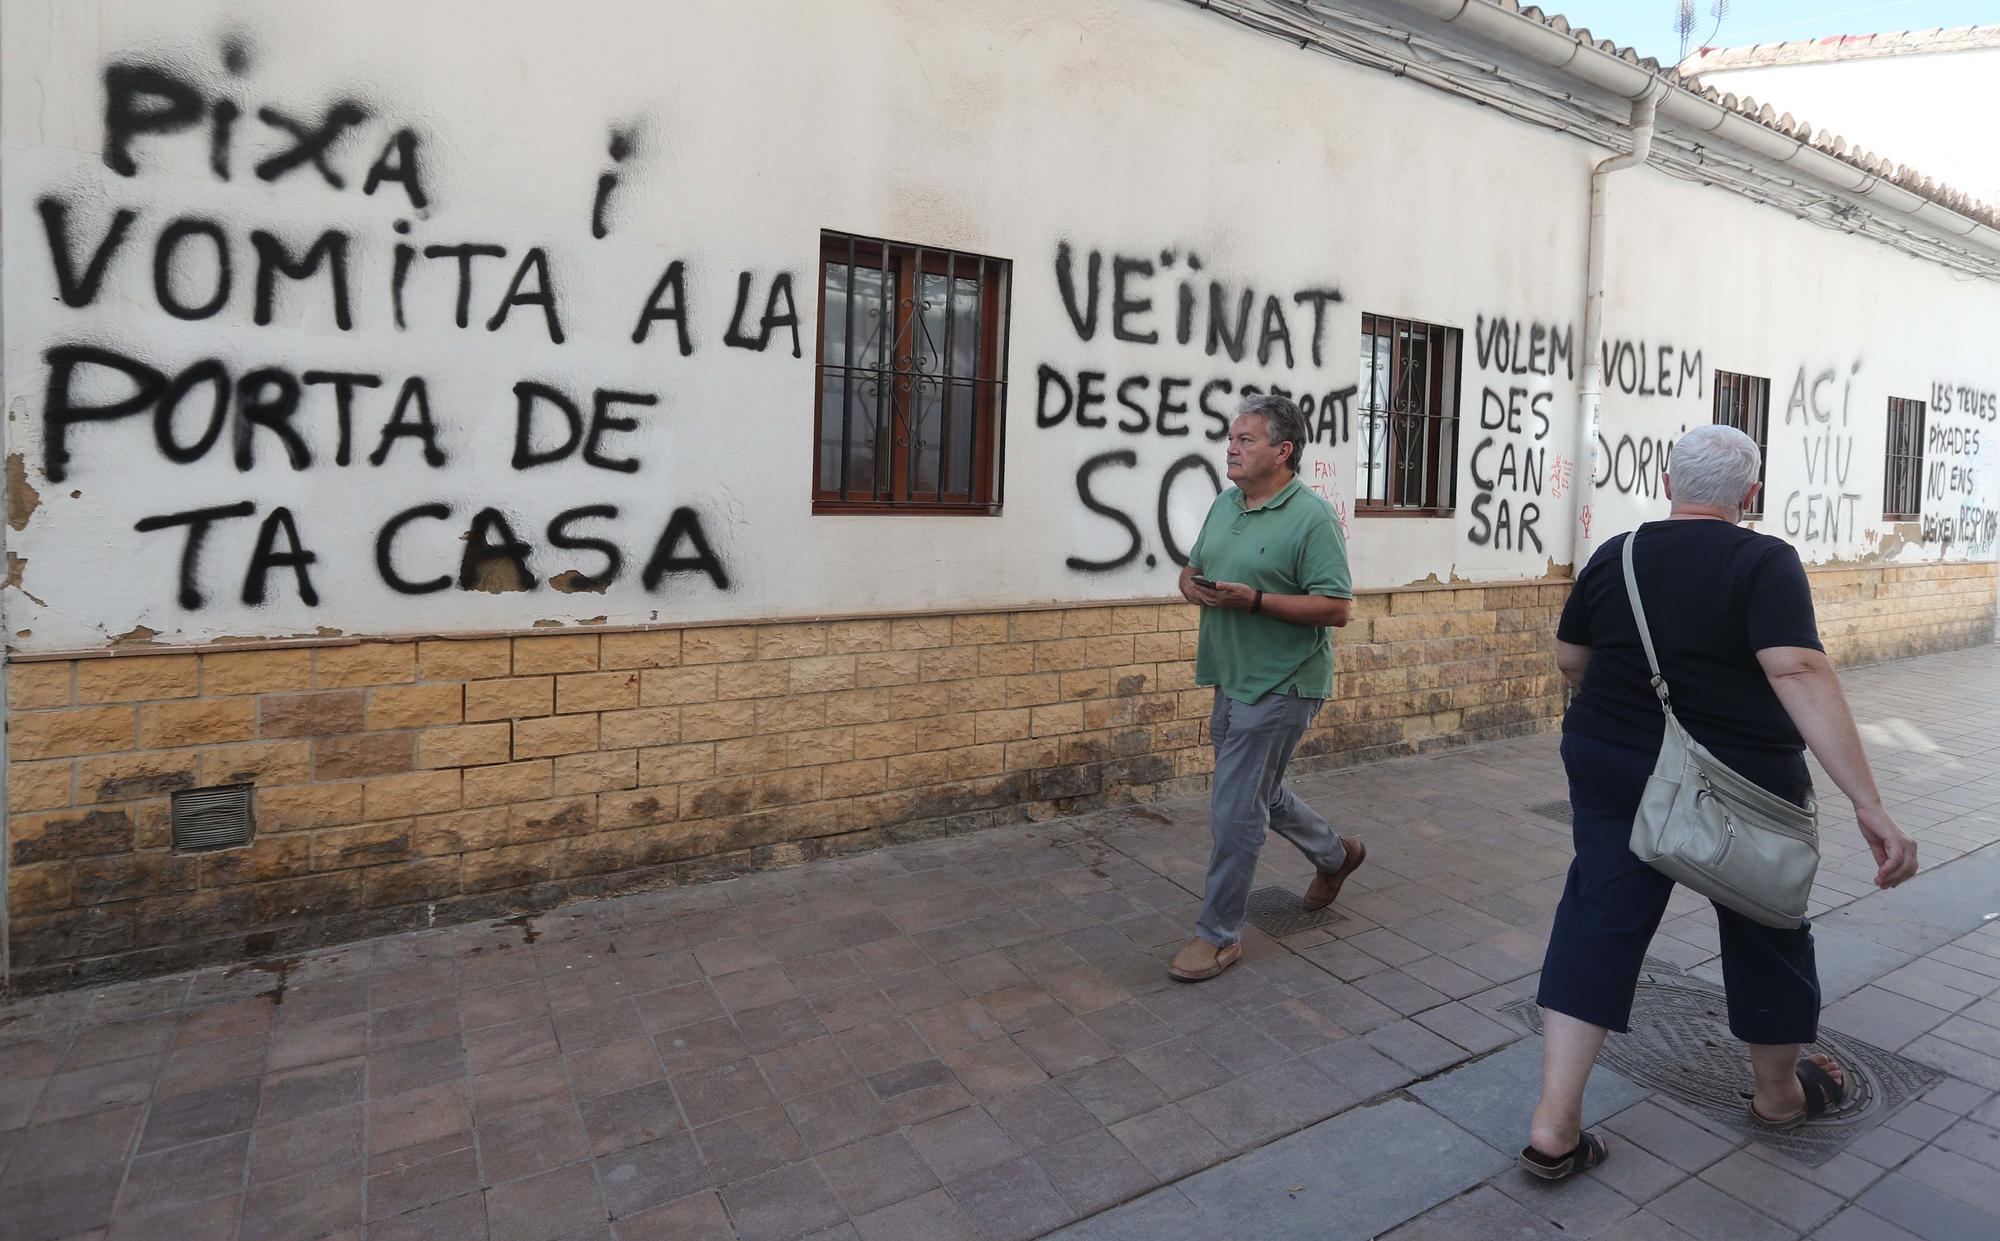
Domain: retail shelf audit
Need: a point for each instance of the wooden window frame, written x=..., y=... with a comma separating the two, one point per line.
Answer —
x=900, y=376
x=1744, y=402
x=1903, y=460
x=1443, y=385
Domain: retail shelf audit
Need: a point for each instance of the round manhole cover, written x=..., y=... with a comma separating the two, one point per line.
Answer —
x=1680, y=1046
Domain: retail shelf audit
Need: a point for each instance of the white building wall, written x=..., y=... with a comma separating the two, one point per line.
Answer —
x=1139, y=128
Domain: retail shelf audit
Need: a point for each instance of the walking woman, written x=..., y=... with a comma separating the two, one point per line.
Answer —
x=1732, y=620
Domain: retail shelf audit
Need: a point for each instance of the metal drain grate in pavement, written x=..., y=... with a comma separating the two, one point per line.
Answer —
x=1680, y=1045
x=1278, y=912
x=1557, y=810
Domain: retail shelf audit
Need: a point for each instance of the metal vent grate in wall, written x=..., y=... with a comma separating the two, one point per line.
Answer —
x=216, y=818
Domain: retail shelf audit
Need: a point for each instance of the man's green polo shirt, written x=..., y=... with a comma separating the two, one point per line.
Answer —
x=1290, y=545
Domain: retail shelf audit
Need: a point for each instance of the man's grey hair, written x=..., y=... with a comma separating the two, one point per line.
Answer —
x=1713, y=465
x=1282, y=422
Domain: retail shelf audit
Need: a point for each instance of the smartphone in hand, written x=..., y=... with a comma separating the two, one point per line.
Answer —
x=1202, y=582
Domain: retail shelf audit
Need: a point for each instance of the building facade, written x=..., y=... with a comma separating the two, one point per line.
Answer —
x=497, y=455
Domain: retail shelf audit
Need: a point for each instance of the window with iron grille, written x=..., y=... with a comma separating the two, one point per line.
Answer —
x=1407, y=459
x=1903, y=474
x=912, y=370
x=1744, y=402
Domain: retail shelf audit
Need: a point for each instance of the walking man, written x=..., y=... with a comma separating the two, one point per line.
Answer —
x=1270, y=573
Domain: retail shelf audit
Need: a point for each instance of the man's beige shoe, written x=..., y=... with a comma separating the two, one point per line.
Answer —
x=1201, y=959
x=1326, y=885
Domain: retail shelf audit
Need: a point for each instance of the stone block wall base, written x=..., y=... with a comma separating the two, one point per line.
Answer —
x=401, y=784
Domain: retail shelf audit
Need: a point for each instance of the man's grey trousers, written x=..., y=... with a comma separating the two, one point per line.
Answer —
x=1253, y=742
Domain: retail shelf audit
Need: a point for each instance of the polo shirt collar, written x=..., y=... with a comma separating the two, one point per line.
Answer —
x=1277, y=501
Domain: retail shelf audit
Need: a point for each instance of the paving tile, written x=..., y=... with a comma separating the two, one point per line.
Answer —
x=731, y=956
x=1094, y=1171
x=678, y=1006
x=805, y=1068
x=531, y=1139
x=1011, y=1201
x=65, y=1146
x=1582, y=1206
x=837, y=1117
x=1063, y=1045
x=1362, y=1070
x=1948, y=1172
x=319, y=1204
x=1798, y=1204
x=1179, y=1068
x=1468, y=1028
x=580, y=1029
x=631, y=1117
x=754, y=988
x=1128, y=1026
x=651, y=1174
x=932, y=1216
x=1021, y=1008
x=1707, y=1214
x=881, y=1045
x=1492, y=1097
x=1434, y=1161
x=991, y=1069
x=711, y=1094
x=1485, y=1212
x=782, y=1204
x=613, y=1067
x=415, y=1117
x=960, y=1024
x=450, y=1175
x=749, y=1144
x=498, y=1093
x=72, y=1203
x=100, y=1087
x=316, y=1042
x=213, y=1218
x=415, y=1065
x=1041, y=1115
x=698, y=1217
x=1855, y=1224
x=499, y=1047
x=494, y=1006
x=201, y=1115
x=700, y=1046
x=1680, y=1142
x=123, y=1040
x=1259, y=1106
x=314, y=1088
x=1113, y=1090
x=1414, y=1047
x=455, y=1219
x=961, y=1143
x=875, y=1173
x=556, y=1204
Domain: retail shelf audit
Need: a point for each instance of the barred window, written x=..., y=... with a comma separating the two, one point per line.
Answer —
x=1744, y=402
x=1903, y=473
x=1407, y=461
x=912, y=367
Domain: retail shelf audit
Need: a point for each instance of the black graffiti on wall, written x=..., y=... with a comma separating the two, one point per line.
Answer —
x=1088, y=481
x=1223, y=316
x=145, y=103
x=1956, y=513
x=196, y=261
x=1168, y=405
x=1505, y=469
x=191, y=411
x=1826, y=511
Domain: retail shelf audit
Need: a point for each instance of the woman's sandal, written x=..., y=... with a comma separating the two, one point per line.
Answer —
x=1590, y=1151
x=1823, y=1094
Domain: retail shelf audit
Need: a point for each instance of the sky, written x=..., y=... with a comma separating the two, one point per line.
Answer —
x=1648, y=25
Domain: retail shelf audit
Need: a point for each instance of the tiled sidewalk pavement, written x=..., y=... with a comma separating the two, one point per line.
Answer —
x=975, y=1038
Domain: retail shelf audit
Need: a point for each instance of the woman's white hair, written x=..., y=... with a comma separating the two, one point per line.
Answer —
x=1713, y=465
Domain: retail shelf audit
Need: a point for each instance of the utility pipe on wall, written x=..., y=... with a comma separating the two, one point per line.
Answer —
x=1591, y=391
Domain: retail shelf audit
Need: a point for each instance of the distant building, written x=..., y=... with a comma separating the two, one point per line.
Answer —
x=1921, y=97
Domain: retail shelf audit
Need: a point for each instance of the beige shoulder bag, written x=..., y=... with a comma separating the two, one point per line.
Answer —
x=1702, y=825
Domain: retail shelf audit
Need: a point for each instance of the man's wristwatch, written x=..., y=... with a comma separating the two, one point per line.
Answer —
x=1257, y=604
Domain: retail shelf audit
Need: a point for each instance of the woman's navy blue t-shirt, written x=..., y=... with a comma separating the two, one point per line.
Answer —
x=1715, y=595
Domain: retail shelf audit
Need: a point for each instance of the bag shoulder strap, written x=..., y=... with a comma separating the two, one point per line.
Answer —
x=1645, y=631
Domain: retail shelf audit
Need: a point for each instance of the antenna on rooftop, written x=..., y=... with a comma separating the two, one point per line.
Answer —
x=1684, y=22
